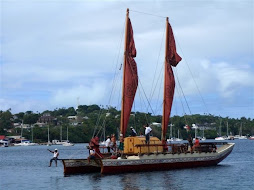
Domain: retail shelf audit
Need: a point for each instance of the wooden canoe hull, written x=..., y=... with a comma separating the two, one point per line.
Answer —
x=163, y=164
x=77, y=166
x=152, y=162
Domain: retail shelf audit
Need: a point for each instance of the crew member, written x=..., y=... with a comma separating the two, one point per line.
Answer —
x=148, y=130
x=133, y=132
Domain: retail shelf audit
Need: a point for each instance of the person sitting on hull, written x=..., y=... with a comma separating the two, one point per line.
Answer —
x=91, y=154
x=94, y=142
x=196, y=144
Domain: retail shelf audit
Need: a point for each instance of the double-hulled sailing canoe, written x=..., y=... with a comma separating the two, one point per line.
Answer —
x=157, y=155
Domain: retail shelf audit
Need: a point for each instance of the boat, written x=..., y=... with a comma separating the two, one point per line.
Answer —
x=241, y=136
x=171, y=138
x=251, y=138
x=25, y=143
x=58, y=142
x=67, y=142
x=4, y=143
x=220, y=139
x=137, y=155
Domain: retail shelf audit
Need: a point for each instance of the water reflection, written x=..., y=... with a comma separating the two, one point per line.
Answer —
x=130, y=181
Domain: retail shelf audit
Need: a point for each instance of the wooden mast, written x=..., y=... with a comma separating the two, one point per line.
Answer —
x=163, y=132
x=124, y=66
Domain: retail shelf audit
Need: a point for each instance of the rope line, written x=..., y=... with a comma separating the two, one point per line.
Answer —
x=192, y=76
x=182, y=91
x=147, y=13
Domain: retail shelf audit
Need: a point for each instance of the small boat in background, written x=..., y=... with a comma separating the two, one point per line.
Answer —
x=251, y=138
x=220, y=139
x=25, y=143
x=67, y=142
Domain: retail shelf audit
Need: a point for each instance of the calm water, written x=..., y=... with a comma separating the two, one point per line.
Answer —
x=27, y=168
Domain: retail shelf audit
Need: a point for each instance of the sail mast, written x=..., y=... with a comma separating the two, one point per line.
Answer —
x=124, y=66
x=171, y=59
x=164, y=125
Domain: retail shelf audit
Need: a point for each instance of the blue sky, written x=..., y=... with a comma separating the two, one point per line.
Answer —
x=55, y=51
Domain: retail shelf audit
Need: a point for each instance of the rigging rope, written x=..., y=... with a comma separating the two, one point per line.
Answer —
x=192, y=76
x=113, y=88
x=147, y=13
x=152, y=92
x=182, y=90
x=177, y=89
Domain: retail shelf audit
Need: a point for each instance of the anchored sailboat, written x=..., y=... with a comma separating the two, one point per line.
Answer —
x=138, y=155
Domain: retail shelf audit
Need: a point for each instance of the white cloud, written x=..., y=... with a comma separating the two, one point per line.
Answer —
x=93, y=93
x=55, y=51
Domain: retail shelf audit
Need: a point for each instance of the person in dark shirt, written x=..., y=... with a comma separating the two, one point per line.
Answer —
x=133, y=132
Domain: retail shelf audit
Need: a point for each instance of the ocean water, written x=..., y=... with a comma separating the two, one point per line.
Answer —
x=26, y=168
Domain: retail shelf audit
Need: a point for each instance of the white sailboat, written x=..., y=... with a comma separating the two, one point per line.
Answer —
x=67, y=143
x=24, y=142
x=241, y=136
x=178, y=136
x=203, y=138
x=220, y=138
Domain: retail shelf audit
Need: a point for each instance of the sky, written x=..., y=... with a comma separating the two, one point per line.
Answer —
x=56, y=54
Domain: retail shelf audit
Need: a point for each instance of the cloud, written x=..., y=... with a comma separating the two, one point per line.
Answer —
x=93, y=94
x=54, y=51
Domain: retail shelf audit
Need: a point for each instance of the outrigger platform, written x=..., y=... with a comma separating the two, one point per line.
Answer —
x=151, y=157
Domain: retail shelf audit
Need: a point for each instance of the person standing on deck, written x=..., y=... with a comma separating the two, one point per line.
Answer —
x=121, y=145
x=190, y=143
x=133, y=132
x=55, y=157
x=113, y=139
x=108, y=143
x=148, y=130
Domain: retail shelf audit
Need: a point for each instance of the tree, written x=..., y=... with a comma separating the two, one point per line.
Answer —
x=5, y=120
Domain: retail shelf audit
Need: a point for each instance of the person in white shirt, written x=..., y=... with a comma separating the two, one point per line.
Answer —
x=108, y=141
x=148, y=130
x=91, y=154
x=55, y=157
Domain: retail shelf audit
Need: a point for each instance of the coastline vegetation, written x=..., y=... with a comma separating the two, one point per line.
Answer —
x=90, y=118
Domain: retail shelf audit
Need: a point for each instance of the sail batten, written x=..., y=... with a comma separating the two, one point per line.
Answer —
x=171, y=59
x=130, y=76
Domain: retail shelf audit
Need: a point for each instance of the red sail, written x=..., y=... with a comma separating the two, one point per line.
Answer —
x=130, y=80
x=172, y=59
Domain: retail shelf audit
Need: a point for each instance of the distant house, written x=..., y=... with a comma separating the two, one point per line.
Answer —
x=47, y=119
x=19, y=125
x=74, y=120
x=71, y=118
